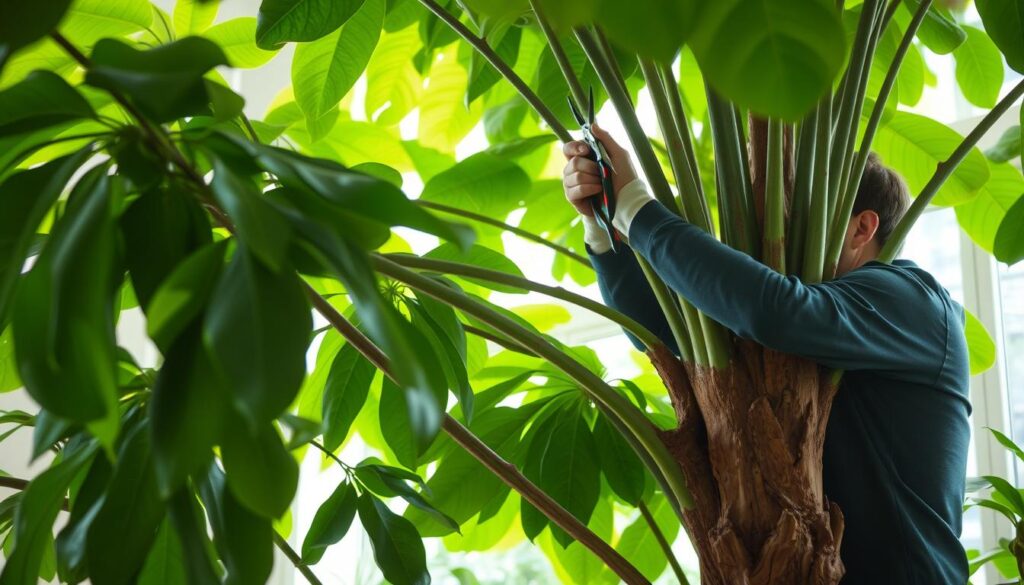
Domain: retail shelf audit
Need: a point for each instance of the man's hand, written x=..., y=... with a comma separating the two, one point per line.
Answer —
x=581, y=178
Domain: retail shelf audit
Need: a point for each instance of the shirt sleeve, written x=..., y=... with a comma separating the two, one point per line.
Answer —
x=624, y=288
x=877, y=317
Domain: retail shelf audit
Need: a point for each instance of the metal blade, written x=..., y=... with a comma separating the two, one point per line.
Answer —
x=591, y=106
x=575, y=111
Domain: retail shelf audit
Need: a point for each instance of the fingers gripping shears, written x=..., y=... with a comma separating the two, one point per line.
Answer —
x=604, y=203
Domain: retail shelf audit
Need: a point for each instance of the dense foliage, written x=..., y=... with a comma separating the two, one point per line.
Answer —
x=130, y=177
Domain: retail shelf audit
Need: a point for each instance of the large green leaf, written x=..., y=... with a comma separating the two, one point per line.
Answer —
x=979, y=68
x=282, y=21
x=505, y=40
x=165, y=83
x=91, y=20
x=257, y=329
x=939, y=31
x=183, y=294
x=482, y=183
x=776, y=57
x=126, y=525
x=261, y=227
x=344, y=394
x=330, y=523
x=23, y=23
x=189, y=523
x=36, y=513
x=189, y=403
x=263, y=483
x=237, y=38
x=1009, y=242
x=324, y=70
x=192, y=17
x=165, y=564
x=1004, y=23
x=980, y=217
x=980, y=347
x=481, y=257
x=245, y=540
x=444, y=118
x=397, y=547
x=26, y=196
x=9, y=379
x=393, y=85
x=619, y=463
x=652, y=28
x=915, y=145
x=40, y=100
x=1008, y=147
x=639, y=544
x=64, y=310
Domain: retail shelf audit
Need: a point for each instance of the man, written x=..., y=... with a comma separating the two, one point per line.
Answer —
x=896, y=444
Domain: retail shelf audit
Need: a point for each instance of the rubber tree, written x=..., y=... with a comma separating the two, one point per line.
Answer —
x=131, y=178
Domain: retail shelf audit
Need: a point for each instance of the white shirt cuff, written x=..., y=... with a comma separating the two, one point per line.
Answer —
x=628, y=202
x=595, y=236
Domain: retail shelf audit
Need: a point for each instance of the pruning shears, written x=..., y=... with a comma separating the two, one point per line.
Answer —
x=604, y=203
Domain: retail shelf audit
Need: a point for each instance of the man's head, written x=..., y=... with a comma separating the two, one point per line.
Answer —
x=882, y=199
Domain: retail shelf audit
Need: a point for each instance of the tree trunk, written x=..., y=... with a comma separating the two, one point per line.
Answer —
x=750, y=441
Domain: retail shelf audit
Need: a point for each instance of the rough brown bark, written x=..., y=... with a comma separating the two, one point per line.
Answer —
x=749, y=441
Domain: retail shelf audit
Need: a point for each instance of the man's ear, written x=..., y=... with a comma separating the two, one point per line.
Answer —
x=865, y=224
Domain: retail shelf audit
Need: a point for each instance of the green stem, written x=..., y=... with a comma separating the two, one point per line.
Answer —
x=673, y=314
x=296, y=560
x=632, y=418
x=666, y=546
x=503, y=68
x=735, y=196
x=944, y=170
x=680, y=120
x=817, y=217
x=469, y=271
x=673, y=142
x=497, y=339
x=775, y=200
x=842, y=218
x=502, y=225
x=801, y=206
x=560, y=57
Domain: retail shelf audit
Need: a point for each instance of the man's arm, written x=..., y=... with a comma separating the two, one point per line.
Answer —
x=856, y=322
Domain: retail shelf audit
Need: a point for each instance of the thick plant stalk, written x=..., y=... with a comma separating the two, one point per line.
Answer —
x=944, y=170
x=691, y=348
x=503, y=68
x=663, y=542
x=596, y=388
x=842, y=217
x=502, y=225
x=469, y=271
x=735, y=197
x=575, y=88
x=796, y=235
x=817, y=217
x=775, y=200
x=680, y=119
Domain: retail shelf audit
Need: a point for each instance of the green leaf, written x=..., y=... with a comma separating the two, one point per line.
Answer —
x=619, y=463
x=21, y=24
x=90, y=20
x=393, y=85
x=939, y=31
x=40, y=100
x=914, y=146
x=165, y=83
x=505, y=41
x=410, y=418
x=393, y=482
x=64, y=310
x=1009, y=492
x=639, y=545
x=1009, y=243
x=330, y=524
x=9, y=379
x=979, y=68
x=189, y=522
x=237, y=38
x=261, y=472
x=26, y=196
x=561, y=460
x=324, y=70
x=1008, y=443
x=980, y=347
x=245, y=540
x=126, y=525
x=1008, y=147
x=652, y=28
x=165, y=564
x=397, y=547
x=483, y=258
x=302, y=430
x=189, y=403
x=257, y=330
x=482, y=183
x=344, y=394
x=192, y=17
x=261, y=227
x=1004, y=23
x=182, y=296
x=160, y=228
x=36, y=513
x=282, y=21
x=776, y=57
x=87, y=496
x=980, y=217
x=444, y=119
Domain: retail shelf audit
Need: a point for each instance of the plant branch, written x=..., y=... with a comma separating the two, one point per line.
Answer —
x=575, y=89
x=503, y=68
x=842, y=217
x=735, y=197
x=497, y=339
x=509, y=228
x=817, y=217
x=469, y=271
x=295, y=559
x=775, y=200
x=680, y=120
x=663, y=542
x=944, y=170
x=14, y=483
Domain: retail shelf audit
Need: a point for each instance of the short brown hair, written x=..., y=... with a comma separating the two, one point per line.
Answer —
x=883, y=191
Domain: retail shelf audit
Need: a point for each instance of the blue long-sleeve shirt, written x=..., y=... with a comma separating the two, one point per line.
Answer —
x=895, y=453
